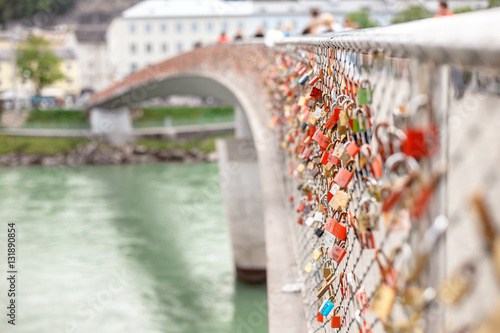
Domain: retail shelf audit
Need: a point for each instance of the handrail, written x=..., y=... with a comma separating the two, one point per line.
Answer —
x=465, y=39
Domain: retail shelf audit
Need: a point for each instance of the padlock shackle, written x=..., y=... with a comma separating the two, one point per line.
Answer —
x=351, y=161
x=363, y=82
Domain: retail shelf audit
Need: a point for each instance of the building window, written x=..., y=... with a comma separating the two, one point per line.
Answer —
x=133, y=68
x=194, y=27
x=148, y=28
x=179, y=47
x=163, y=27
x=224, y=26
x=132, y=28
x=132, y=48
x=179, y=27
x=278, y=24
x=68, y=66
x=241, y=25
x=69, y=81
x=164, y=47
x=210, y=26
x=149, y=48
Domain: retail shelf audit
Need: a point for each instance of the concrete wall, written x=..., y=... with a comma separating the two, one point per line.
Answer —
x=240, y=186
x=115, y=125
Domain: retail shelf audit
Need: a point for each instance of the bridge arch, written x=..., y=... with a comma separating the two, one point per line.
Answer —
x=250, y=178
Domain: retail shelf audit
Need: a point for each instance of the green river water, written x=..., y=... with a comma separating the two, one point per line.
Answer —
x=119, y=249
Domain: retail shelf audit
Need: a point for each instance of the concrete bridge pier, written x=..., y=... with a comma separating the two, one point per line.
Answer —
x=114, y=125
x=240, y=185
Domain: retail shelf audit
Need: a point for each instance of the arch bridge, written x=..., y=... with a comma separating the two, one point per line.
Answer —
x=453, y=62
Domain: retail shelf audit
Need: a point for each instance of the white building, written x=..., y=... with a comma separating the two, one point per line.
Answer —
x=93, y=56
x=154, y=30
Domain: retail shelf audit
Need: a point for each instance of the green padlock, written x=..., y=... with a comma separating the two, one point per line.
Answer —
x=364, y=95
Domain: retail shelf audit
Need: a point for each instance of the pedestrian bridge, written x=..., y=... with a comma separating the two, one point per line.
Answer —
x=432, y=86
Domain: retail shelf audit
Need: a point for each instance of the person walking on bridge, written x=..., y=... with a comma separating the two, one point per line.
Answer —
x=443, y=10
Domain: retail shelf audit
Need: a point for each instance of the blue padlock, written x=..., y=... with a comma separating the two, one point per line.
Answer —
x=304, y=78
x=327, y=307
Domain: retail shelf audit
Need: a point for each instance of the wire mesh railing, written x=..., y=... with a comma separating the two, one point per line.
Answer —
x=387, y=157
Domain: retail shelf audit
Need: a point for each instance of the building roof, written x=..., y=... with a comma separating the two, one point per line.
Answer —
x=188, y=8
x=91, y=36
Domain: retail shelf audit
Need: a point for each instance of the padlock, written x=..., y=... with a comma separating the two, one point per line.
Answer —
x=455, y=287
x=351, y=148
x=339, y=200
x=327, y=306
x=309, y=267
x=344, y=176
x=337, y=228
x=317, y=253
x=300, y=220
x=364, y=94
x=334, y=118
x=320, y=230
x=337, y=320
x=383, y=301
x=324, y=286
x=314, y=80
x=338, y=252
x=327, y=268
x=315, y=93
x=300, y=207
x=362, y=298
x=366, y=214
x=309, y=221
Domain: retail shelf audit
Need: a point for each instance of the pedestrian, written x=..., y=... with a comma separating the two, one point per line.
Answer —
x=443, y=10
x=238, y=36
x=223, y=38
x=259, y=33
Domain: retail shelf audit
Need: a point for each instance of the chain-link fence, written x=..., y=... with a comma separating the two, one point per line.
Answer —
x=389, y=150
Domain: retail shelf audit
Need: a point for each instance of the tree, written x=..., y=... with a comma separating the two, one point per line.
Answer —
x=25, y=9
x=493, y=3
x=362, y=18
x=38, y=63
x=411, y=13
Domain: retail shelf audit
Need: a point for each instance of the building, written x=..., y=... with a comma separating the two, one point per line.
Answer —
x=154, y=30
x=62, y=42
x=94, y=61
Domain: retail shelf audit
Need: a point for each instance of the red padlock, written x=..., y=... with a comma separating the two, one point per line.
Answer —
x=336, y=228
x=352, y=148
x=344, y=176
x=421, y=142
x=300, y=207
x=315, y=93
x=338, y=252
x=300, y=220
x=337, y=320
x=334, y=118
x=306, y=153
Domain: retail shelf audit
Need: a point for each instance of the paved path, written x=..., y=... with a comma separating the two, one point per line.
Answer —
x=173, y=132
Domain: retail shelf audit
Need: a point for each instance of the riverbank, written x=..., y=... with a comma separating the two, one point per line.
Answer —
x=19, y=151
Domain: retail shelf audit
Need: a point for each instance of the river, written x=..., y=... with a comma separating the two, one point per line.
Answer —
x=138, y=248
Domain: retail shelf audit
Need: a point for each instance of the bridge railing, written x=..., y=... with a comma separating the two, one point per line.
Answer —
x=388, y=138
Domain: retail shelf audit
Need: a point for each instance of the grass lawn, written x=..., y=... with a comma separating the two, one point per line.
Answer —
x=155, y=117
x=206, y=145
x=43, y=146
x=65, y=119
x=53, y=146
